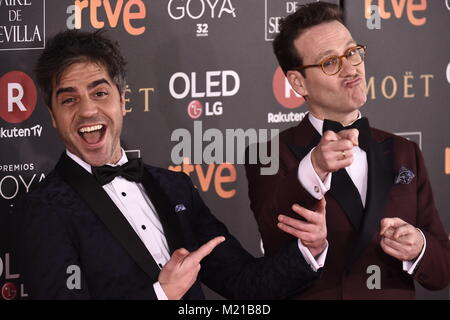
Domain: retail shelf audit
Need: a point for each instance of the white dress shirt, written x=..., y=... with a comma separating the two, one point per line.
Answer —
x=134, y=204
x=358, y=172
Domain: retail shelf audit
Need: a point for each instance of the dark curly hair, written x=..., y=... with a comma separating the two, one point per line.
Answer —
x=74, y=46
x=291, y=27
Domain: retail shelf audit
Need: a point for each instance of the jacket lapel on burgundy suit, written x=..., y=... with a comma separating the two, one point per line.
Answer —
x=306, y=137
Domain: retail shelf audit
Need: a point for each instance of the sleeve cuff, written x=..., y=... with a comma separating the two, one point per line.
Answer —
x=309, y=179
x=410, y=266
x=159, y=291
x=314, y=263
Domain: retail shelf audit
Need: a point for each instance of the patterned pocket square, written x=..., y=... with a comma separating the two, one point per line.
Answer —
x=180, y=207
x=405, y=176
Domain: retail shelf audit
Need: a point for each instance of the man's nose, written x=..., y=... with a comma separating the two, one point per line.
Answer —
x=88, y=108
x=347, y=68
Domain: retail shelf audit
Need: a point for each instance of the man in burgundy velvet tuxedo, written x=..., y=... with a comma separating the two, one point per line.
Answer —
x=102, y=226
x=383, y=226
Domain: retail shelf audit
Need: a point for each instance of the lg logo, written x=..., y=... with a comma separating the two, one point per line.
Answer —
x=195, y=109
x=215, y=84
x=18, y=96
x=10, y=290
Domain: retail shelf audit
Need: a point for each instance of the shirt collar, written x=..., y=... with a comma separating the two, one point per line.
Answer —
x=86, y=166
x=318, y=124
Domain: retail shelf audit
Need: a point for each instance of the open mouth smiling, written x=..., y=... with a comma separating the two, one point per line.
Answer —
x=92, y=134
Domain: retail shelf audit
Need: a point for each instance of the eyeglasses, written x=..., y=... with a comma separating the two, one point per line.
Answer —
x=333, y=64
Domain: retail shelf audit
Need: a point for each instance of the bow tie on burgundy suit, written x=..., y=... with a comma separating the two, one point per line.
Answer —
x=132, y=171
x=361, y=124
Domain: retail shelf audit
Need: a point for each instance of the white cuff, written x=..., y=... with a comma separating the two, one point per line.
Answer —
x=160, y=294
x=314, y=263
x=309, y=179
x=410, y=266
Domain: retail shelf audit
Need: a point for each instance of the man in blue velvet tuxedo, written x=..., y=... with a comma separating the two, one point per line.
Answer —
x=131, y=231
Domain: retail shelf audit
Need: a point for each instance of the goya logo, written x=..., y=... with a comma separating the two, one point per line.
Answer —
x=18, y=96
x=196, y=9
x=201, y=11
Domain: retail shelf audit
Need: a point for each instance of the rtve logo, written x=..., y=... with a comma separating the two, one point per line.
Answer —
x=399, y=8
x=129, y=10
x=18, y=96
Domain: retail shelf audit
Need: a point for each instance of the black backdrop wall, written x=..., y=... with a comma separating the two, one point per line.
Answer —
x=211, y=61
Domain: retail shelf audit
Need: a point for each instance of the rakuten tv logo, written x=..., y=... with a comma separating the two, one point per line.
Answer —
x=18, y=96
x=283, y=92
x=208, y=91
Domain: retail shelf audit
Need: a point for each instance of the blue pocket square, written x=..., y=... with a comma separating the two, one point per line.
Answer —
x=405, y=176
x=180, y=207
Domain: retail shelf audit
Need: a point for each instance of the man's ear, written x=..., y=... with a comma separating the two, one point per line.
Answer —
x=297, y=82
x=49, y=108
x=122, y=103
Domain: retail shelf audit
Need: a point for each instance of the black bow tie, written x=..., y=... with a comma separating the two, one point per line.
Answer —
x=361, y=124
x=132, y=171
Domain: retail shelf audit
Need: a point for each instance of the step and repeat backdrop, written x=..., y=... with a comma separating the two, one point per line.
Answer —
x=208, y=64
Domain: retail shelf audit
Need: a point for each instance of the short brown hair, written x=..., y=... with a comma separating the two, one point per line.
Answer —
x=307, y=16
x=74, y=46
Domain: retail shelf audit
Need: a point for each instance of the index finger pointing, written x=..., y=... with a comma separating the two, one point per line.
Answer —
x=206, y=249
x=330, y=136
x=350, y=134
x=385, y=224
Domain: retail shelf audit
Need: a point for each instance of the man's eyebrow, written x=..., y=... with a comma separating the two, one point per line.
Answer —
x=330, y=52
x=63, y=90
x=95, y=83
x=91, y=85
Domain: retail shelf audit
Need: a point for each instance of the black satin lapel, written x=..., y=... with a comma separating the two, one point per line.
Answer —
x=99, y=201
x=380, y=181
x=301, y=151
x=166, y=212
x=347, y=195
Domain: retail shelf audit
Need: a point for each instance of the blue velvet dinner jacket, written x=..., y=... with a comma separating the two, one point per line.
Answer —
x=68, y=221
